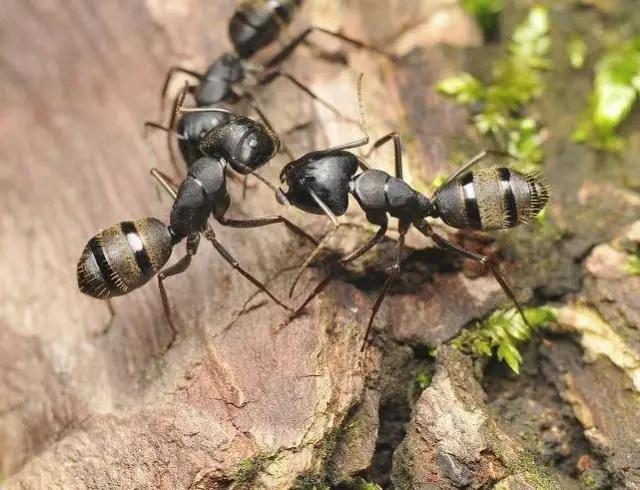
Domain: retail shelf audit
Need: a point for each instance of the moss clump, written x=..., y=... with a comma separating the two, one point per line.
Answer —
x=633, y=265
x=615, y=91
x=517, y=80
x=249, y=469
x=310, y=482
x=501, y=333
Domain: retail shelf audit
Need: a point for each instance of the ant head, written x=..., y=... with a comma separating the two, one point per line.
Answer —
x=326, y=177
x=249, y=145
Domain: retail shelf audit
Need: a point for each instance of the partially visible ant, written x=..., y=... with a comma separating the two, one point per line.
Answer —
x=236, y=145
x=127, y=255
x=254, y=25
x=494, y=198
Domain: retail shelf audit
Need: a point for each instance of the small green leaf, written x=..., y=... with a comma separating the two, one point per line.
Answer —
x=615, y=92
x=502, y=331
x=508, y=353
x=633, y=265
x=423, y=380
x=365, y=485
x=577, y=52
x=464, y=87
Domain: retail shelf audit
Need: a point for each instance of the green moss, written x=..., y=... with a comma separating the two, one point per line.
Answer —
x=577, y=52
x=501, y=333
x=615, y=91
x=249, y=469
x=536, y=475
x=588, y=482
x=633, y=265
x=365, y=485
x=517, y=80
x=423, y=380
x=310, y=482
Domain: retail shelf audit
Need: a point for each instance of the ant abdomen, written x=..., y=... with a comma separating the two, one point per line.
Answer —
x=256, y=24
x=493, y=198
x=123, y=257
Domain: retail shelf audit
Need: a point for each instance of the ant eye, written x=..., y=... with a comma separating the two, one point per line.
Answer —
x=253, y=142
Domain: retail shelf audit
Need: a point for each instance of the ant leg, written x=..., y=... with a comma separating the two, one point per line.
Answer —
x=442, y=242
x=374, y=240
x=211, y=236
x=170, y=129
x=166, y=182
x=112, y=316
x=167, y=80
x=359, y=252
x=265, y=221
x=336, y=224
x=289, y=48
x=245, y=185
x=192, y=247
x=275, y=74
x=397, y=150
x=395, y=269
x=474, y=160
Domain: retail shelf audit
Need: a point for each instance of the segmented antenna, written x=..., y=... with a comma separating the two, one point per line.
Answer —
x=363, y=119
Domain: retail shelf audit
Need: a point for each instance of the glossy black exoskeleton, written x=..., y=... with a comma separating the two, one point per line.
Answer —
x=126, y=256
x=486, y=199
x=254, y=25
x=257, y=23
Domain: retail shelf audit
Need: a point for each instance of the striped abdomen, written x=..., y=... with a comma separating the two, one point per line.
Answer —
x=491, y=199
x=123, y=257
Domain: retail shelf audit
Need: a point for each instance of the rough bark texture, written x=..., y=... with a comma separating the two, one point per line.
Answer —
x=236, y=404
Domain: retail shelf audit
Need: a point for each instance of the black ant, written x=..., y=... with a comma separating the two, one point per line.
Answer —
x=254, y=25
x=236, y=145
x=487, y=199
x=127, y=255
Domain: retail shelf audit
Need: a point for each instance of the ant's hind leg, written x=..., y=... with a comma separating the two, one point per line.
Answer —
x=442, y=242
x=177, y=268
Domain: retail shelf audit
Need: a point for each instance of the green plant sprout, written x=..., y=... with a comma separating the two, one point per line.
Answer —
x=486, y=13
x=365, y=485
x=633, y=265
x=502, y=332
x=577, y=52
x=423, y=380
x=615, y=91
x=517, y=80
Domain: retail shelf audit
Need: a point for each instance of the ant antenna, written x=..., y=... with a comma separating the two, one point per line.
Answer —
x=363, y=119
